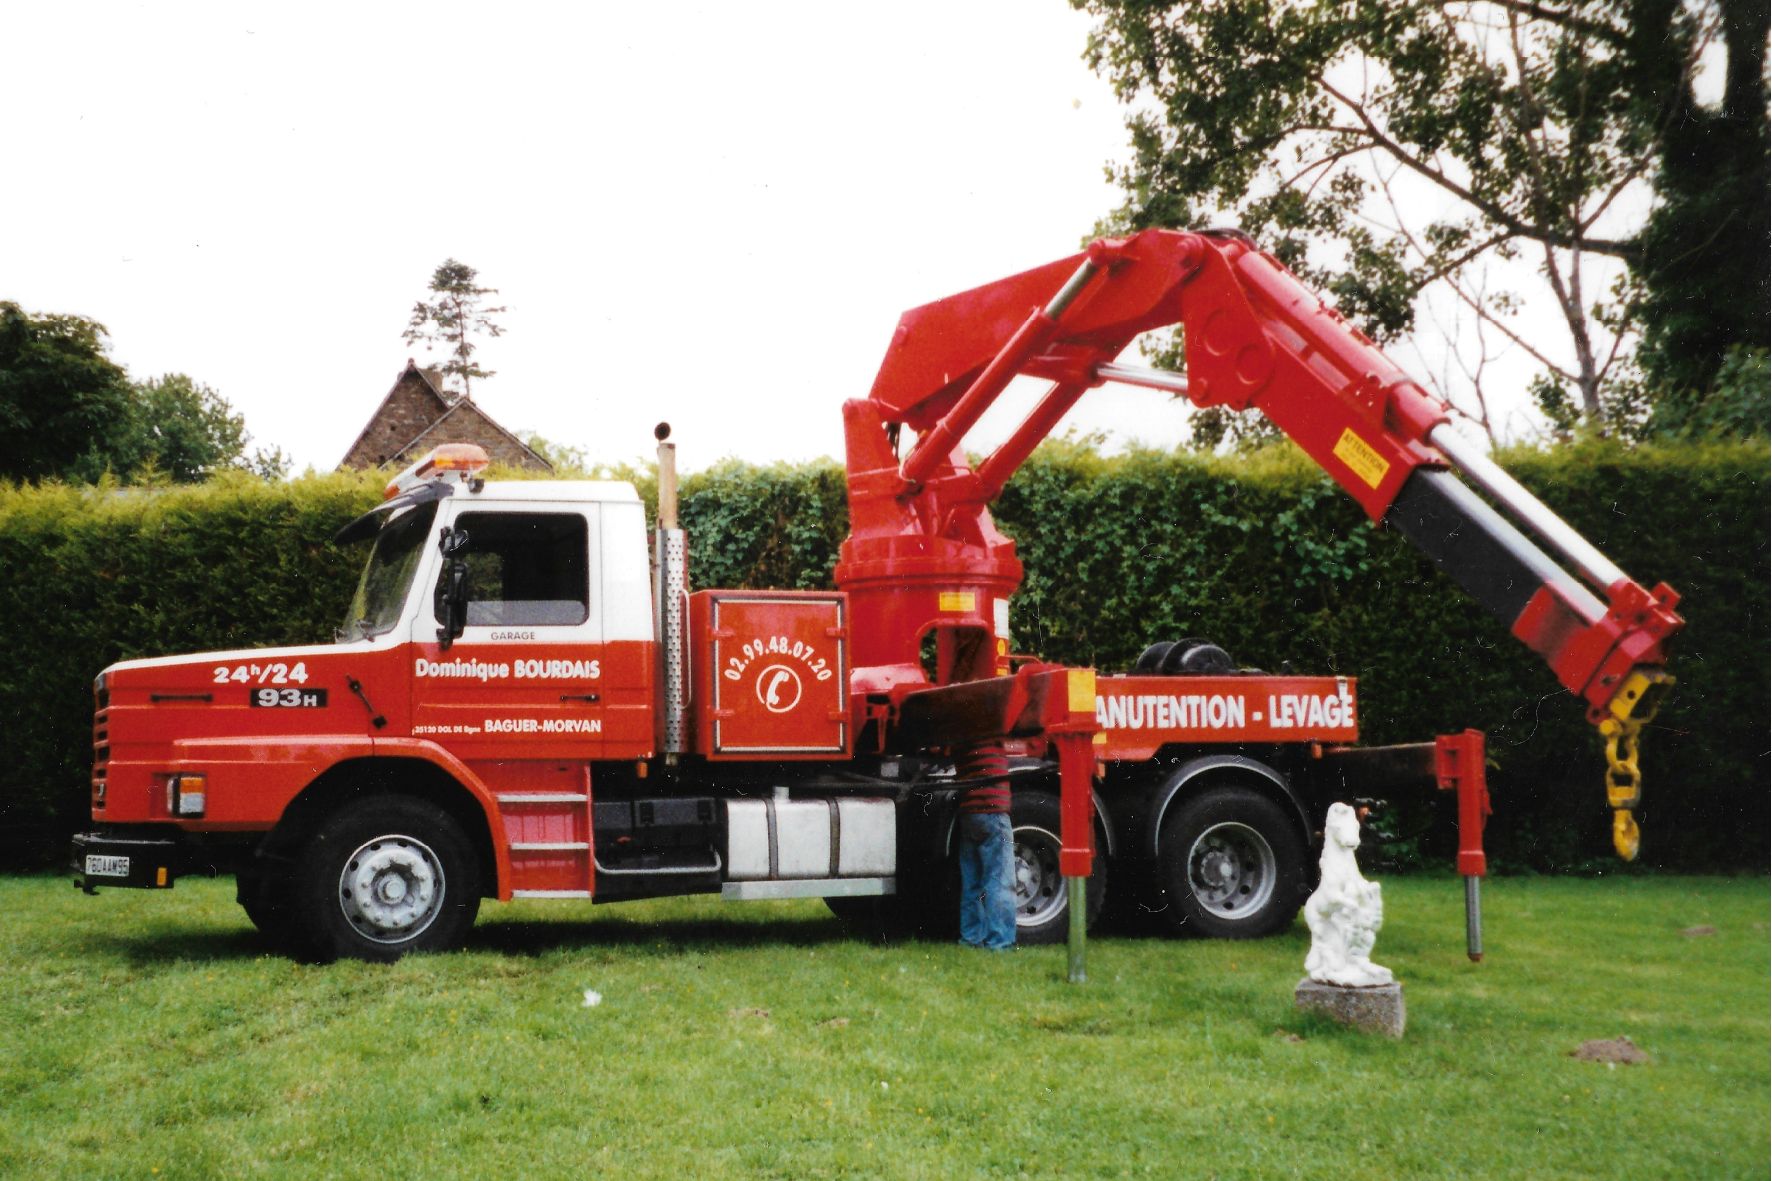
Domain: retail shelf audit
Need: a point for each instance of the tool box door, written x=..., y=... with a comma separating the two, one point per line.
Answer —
x=779, y=671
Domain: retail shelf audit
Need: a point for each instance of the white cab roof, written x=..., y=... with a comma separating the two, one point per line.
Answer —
x=603, y=491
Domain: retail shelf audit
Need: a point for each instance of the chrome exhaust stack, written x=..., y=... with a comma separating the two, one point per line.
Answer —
x=670, y=598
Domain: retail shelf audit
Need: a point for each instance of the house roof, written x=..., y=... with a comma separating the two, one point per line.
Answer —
x=418, y=413
x=466, y=408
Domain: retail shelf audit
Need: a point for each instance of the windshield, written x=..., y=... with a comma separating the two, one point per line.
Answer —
x=381, y=593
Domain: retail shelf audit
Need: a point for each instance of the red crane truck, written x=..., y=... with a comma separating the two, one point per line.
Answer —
x=526, y=703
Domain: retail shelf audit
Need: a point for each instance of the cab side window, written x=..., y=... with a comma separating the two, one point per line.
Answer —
x=526, y=569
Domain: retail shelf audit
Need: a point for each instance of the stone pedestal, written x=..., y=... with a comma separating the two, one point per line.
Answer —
x=1376, y=1008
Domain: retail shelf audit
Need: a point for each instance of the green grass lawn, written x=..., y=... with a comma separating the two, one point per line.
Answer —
x=146, y=1034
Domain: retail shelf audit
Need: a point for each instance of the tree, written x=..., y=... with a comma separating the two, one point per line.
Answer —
x=1704, y=264
x=187, y=432
x=67, y=411
x=451, y=317
x=569, y=462
x=62, y=401
x=1535, y=129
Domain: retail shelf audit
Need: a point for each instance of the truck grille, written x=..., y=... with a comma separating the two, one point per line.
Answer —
x=101, y=743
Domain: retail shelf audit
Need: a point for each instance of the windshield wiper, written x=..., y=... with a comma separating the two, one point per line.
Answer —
x=363, y=627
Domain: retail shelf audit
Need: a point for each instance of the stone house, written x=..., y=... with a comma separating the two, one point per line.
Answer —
x=419, y=413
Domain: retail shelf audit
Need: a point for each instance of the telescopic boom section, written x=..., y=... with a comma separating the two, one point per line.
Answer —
x=1255, y=338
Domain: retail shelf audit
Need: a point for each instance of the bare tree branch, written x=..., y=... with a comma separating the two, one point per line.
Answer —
x=1688, y=71
x=1475, y=304
x=1497, y=213
x=1544, y=12
x=1328, y=161
x=1459, y=260
x=1612, y=354
x=1567, y=288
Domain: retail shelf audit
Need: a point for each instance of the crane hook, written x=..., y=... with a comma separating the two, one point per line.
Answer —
x=1632, y=708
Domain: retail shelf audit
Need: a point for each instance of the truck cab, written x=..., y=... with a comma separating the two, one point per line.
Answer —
x=497, y=659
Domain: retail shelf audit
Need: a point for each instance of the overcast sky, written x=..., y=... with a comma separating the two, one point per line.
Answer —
x=711, y=214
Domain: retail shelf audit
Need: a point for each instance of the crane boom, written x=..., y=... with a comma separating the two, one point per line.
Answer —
x=1256, y=338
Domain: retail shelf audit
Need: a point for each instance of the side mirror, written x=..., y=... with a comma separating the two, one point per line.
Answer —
x=452, y=589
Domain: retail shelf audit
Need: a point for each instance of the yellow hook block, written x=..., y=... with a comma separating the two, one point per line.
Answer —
x=1625, y=836
x=1634, y=705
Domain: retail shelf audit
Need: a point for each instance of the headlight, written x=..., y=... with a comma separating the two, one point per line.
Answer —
x=187, y=794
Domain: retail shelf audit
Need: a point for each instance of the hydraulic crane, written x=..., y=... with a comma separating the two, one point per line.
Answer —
x=1257, y=339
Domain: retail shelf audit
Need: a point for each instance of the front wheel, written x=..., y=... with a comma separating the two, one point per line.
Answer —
x=384, y=876
x=1042, y=909
x=267, y=898
x=1231, y=865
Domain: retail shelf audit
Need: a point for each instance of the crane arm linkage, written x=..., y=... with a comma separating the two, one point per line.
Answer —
x=1256, y=338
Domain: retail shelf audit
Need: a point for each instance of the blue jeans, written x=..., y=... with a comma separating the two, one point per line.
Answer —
x=987, y=881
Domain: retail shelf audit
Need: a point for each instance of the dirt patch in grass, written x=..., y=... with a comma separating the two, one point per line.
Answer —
x=1616, y=1050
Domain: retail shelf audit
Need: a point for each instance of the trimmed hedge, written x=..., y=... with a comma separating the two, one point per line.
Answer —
x=1261, y=554
x=95, y=575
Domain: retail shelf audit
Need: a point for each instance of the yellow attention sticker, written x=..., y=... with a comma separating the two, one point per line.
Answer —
x=1080, y=690
x=958, y=601
x=1367, y=464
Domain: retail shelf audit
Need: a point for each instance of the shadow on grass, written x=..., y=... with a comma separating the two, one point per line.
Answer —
x=522, y=937
x=173, y=945
x=163, y=943
x=539, y=936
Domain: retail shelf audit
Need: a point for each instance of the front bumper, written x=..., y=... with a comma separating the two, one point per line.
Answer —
x=143, y=862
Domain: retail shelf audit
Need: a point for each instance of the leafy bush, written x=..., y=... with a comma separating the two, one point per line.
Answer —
x=1737, y=404
x=1258, y=552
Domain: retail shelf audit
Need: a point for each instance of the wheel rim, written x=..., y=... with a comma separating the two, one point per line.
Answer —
x=391, y=888
x=1232, y=870
x=1039, y=886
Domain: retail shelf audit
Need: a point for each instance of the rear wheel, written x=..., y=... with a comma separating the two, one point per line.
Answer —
x=1231, y=865
x=928, y=902
x=384, y=876
x=1042, y=906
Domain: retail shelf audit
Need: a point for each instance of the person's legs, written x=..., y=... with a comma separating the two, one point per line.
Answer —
x=997, y=853
x=972, y=912
x=987, y=881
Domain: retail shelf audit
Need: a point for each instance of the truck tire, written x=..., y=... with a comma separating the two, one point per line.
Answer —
x=1042, y=909
x=383, y=876
x=269, y=903
x=1196, y=657
x=1230, y=865
x=1150, y=661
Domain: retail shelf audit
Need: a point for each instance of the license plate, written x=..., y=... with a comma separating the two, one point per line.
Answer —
x=106, y=867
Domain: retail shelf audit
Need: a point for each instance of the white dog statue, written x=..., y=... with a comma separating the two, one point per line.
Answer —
x=1346, y=911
